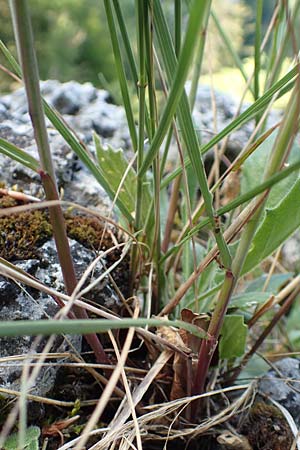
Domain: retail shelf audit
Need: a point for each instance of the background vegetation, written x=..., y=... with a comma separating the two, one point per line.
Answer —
x=82, y=28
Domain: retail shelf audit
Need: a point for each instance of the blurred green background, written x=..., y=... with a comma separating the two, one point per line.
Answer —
x=72, y=40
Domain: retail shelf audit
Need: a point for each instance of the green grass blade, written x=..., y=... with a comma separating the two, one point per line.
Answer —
x=197, y=16
x=141, y=27
x=282, y=38
x=129, y=54
x=10, y=59
x=272, y=181
x=177, y=31
x=19, y=155
x=83, y=155
x=199, y=11
x=259, y=11
x=126, y=41
x=198, y=63
x=121, y=72
x=48, y=327
x=237, y=60
x=283, y=85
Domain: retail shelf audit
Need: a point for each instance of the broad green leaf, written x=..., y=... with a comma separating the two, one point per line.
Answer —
x=31, y=440
x=274, y=284
x=256, y=367
x=256, y=163
x=113, y=165
x=253, y=294
x=294, y=338
x=19, y=155
x=248, y=299
x=277, y=225
x=233, y=337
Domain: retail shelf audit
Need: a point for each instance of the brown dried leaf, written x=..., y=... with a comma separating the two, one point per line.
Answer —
x=173, y=336
x=200, y=320
x=187, y=343
x=178, y=389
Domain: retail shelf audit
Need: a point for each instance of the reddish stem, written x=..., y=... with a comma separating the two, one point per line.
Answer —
x=66, y=262
x=207, y=347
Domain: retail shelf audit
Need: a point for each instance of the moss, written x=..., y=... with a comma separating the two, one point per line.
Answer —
x=22, y=234
x=267, y=429
x=91, y=233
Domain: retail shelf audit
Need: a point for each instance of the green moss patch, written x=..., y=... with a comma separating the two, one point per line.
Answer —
x=22, y=234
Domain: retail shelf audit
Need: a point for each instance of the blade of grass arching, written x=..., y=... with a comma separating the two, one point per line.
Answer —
x=84, y=156
x=158, y=288
x=25, y=45
x=141, y=27
x=259, y=11
x=181, y=70
x=177, y=28
x=69, y=136
x=19, y=155
x=129, y=53
x=283, y=86
x=198, y=63
x=227, y=41
x=198, y=12
x=10, y=59
x=272, y=181
x=232, y=168
x=280, y=44
x=48, y=327
x=121, y=73
x=141, y=86
x=126, y=41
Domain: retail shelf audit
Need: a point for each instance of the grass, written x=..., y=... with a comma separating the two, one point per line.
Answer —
x=197, y=263
x=229, y=77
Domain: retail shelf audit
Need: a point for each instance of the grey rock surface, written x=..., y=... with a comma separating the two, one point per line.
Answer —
x=283, y=386
x=21, y=303
x=87, y=110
